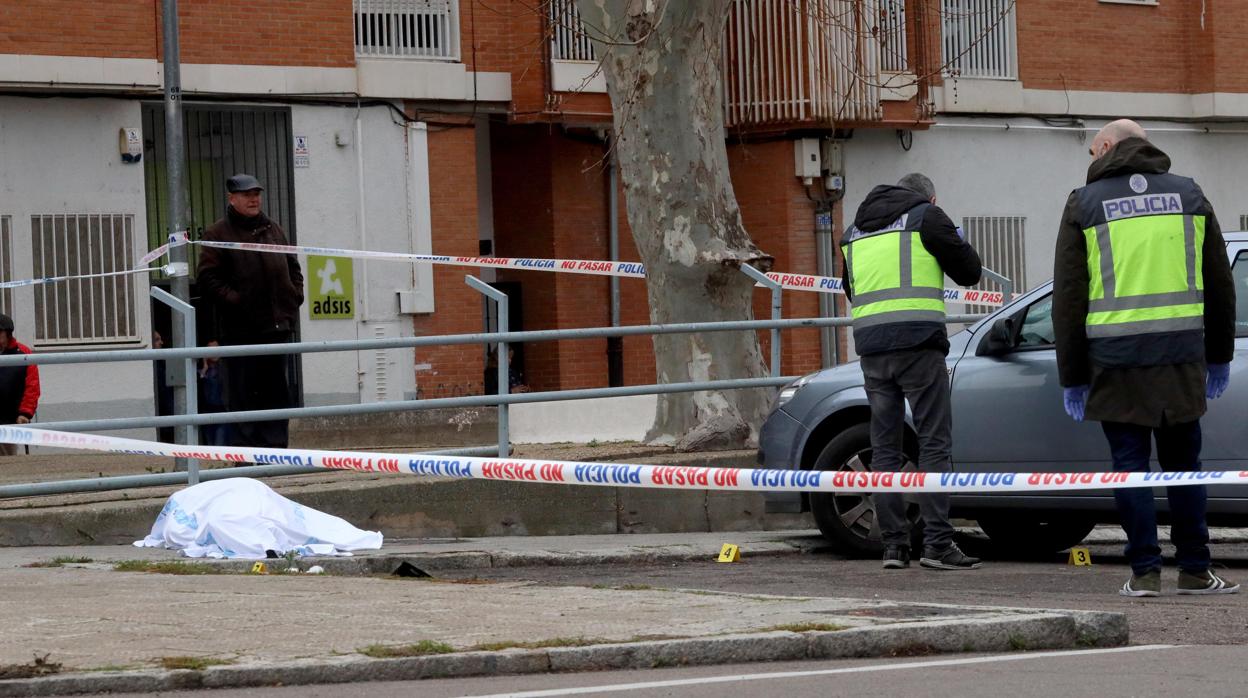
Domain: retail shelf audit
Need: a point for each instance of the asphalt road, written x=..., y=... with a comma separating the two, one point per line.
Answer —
x=1169, y=619
x=1138, y=670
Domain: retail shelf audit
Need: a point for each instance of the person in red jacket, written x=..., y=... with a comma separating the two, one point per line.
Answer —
x=19, y=385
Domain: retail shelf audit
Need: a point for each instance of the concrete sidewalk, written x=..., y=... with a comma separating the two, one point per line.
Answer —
x=113, y=630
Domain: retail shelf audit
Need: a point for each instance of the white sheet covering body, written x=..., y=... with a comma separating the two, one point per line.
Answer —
x=242, y=518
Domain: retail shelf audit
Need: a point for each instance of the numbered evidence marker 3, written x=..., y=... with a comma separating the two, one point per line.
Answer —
x=1080, y=557
x=729, y=553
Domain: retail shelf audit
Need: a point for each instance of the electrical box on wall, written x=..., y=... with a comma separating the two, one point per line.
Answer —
x=130, y=143
x=806, y=158
x=833, y=155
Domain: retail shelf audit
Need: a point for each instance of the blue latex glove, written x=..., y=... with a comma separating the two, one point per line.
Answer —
x=1075, y=400
x=1219, y=380
x=961, y=233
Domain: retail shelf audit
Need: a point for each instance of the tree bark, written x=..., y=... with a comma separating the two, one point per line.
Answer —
x=661, y=60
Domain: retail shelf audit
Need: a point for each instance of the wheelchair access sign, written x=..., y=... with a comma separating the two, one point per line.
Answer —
x=331, y=288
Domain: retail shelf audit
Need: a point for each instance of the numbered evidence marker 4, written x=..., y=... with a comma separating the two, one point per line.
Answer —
x=729, y=553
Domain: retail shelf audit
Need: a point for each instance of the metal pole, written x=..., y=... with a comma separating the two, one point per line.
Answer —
x=776, y=312
x=187, y=311
x=829, y=345
x=175, y=169
x=615, y=345
x=504, y=367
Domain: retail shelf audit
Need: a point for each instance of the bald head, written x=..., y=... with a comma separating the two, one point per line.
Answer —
x=1112, y=134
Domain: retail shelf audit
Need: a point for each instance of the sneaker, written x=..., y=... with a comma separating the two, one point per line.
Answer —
x=951, y=558
x=896, y=557
x=1205, y=583
x=1147, y=584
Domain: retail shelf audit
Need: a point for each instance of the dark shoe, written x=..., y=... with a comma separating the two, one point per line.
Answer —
x=1147, y=584
x=896, y=557
x=1205, y=583
x=951, y=558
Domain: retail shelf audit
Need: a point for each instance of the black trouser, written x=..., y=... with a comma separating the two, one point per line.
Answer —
x=1178, y=449
x=920, y=377
x=260, y=383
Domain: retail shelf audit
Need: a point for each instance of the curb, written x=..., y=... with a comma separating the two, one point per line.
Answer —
x=1045, y=630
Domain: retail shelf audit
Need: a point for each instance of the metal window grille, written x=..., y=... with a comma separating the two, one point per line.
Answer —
x=6, y=264
x=84, y=311
x=424, y=29
x=1243, y=221
x=980, y=39
x=1000, y=242
x=890, y=31
x=568, y=40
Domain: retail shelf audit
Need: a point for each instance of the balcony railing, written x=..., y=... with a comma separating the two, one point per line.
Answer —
x=568, y=41
x=416, y=29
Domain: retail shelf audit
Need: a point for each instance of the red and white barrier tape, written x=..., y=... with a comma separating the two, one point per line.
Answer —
x=675, y=477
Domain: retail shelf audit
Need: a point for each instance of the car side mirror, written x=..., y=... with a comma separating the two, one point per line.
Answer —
x=1000, y=339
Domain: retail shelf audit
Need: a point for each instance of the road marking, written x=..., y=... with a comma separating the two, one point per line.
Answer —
x=583, y=690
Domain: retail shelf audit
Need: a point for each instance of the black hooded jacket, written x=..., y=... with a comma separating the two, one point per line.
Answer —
x=1150, y=395
x=957, y=259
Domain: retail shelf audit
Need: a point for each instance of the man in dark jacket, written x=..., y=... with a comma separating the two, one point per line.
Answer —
x=1144, y=317
x=19, y=385
x=897, y=254
x=257, y=295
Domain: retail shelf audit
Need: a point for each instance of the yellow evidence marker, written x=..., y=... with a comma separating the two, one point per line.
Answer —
x=259, y=568
x=1080, y=557
x=729, y=553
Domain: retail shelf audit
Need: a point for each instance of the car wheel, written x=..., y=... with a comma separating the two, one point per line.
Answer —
x=1018, y=534
x=847, y=519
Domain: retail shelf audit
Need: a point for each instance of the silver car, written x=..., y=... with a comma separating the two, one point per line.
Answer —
x=1007, y=417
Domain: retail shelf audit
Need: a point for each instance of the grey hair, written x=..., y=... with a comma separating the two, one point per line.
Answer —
x=919, y=184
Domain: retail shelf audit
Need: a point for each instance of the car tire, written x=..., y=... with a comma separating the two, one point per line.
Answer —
x=847, y=520
x=1018, y=534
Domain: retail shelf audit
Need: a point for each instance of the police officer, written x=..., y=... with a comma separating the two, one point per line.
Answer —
x=897, y=254
x=1144, y=316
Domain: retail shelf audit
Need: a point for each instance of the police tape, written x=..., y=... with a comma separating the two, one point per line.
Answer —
x=636, y=270
x=677, y=477
x=81, y=277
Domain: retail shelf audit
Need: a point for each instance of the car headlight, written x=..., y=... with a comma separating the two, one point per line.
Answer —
x=789, y=391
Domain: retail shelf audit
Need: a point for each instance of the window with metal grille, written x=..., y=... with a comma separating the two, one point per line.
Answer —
x=6, y=264
x=1243, y=221
x=423, y=29
x=84, y=311
x=890, y=30
x=980, y=39
x=568, y=40
x=1000, y=242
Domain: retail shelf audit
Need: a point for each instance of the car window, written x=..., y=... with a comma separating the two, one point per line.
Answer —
x=1240, y=272
x=1037, y=330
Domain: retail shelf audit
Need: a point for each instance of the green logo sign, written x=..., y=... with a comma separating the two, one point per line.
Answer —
x=331, y=287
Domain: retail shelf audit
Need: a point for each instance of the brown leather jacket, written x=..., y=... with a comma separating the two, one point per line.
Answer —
x=255, y=292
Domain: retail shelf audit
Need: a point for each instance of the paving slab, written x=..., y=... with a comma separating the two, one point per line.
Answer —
x=111, y=629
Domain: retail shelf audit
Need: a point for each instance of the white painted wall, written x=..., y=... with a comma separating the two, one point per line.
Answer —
x=994, y=172
x=61, y=156
x=338, y=203
x=603, y=419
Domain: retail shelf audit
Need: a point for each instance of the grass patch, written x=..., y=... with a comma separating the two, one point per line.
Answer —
x=193, y=663
x=540, y=644
x=420, y=649
x=60, y=561
x=806, y=628
x=635, y=587
x=167, y=567
x=1017, y=643
x=113, y=667
x=40, y=666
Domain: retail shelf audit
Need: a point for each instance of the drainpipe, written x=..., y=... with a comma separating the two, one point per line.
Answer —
x=615, y=345
x=359, y=164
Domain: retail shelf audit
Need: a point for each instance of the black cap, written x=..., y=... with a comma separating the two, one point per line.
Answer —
x=6, y=323
x=242, y=182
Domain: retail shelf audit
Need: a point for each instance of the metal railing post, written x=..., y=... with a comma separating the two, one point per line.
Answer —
x=504, y=365
x=1007, y=286
x=776, y=312
x=189, y=433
